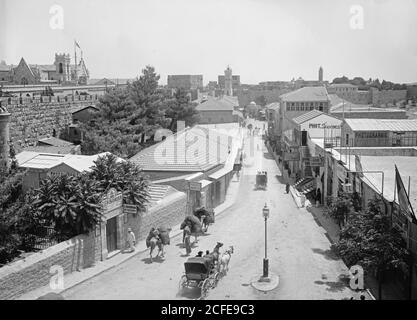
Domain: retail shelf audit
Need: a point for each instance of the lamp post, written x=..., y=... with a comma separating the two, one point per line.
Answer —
x=265, y=214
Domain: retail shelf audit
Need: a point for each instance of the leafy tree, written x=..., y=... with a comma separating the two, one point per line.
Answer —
x=124, y=176
x=127, y=116
x=369, y=240
x=180, y=108
x=261, y=100
x=339, y=208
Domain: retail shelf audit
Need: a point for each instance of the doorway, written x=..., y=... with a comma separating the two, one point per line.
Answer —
x=111, y=234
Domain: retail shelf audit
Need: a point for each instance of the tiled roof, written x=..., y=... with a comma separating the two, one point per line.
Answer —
x=76, y=109
x=191, y=150
x=307, y=116
x=213, y=104
x=306, y=94
x=399, y=125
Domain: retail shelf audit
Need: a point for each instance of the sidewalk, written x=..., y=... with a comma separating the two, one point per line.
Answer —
x=77, y=277
x=389, y=292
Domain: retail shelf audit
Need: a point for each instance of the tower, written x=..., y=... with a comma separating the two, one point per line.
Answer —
x=321, y=74
x=228, y=89
x=63, y=69
x=4, y=137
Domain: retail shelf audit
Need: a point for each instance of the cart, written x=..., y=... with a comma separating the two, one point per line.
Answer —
x=200, y=272
x=261, y=180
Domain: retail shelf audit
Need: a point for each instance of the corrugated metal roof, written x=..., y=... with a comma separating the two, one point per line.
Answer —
x=307, y=116
x=398, y=125
x=306, y=94
x=34, y=160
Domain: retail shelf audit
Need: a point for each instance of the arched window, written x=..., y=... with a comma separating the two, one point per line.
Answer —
x=61, y=69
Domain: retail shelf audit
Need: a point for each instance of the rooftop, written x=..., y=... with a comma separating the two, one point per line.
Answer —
x=306, y=94
x=224, y=103
x=45, y=161
x=307, y=116
x=191, y=150
x=342, y=85
x=273, y=106
x=400, y=125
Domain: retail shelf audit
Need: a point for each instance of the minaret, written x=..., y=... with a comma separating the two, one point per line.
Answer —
x=4, y=137
x=321, y=74
x=228, y=89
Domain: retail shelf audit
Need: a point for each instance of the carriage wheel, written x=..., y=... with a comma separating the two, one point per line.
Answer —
x=205, y=288
x=183, y=282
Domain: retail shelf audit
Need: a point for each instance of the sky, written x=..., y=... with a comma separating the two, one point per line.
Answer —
x=262, y=40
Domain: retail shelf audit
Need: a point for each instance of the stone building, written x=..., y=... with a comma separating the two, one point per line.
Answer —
x=218, y=110
x=187, y=82
x=61, y=71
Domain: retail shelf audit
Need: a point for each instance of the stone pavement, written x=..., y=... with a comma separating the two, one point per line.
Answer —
x=78, y=277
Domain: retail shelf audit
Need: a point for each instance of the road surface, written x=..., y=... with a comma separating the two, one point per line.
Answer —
x=298, y=250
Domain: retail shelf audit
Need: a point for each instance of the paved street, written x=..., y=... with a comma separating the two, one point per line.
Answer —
x=298, y=250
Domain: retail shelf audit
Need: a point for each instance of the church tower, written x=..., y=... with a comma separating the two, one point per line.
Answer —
x=63, y=68
x=228, y=89
x=321, y=74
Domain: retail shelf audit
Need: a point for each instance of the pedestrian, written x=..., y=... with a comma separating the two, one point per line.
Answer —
x=199, y=254
x=318, y=197
x=187, y=242
x=363, y=297
x=131, y=240
x=287, y=188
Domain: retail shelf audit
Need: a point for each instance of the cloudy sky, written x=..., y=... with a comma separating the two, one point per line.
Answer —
x=261, y=40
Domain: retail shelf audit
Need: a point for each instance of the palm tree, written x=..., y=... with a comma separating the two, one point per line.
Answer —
x=89, y=212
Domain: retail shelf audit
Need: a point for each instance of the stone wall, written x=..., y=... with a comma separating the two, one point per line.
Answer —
x=374, y=96
x=35, y=271
x=169, y=212
x=35, y=118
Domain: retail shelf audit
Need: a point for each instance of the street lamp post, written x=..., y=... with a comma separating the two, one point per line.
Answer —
x=265, y=214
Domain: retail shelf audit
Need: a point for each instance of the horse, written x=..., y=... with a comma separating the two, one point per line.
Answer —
x=216, y=252
x=224, y=260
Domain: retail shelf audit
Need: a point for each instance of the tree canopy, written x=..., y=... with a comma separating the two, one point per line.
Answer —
x=130, y=115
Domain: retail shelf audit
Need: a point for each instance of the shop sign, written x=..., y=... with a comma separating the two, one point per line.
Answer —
x=112, y=200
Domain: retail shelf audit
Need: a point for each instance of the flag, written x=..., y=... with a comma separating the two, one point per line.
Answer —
x=358, y=166
x=403, y=199
x=76, y=43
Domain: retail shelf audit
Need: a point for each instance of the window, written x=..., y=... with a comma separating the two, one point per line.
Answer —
x=61, y=69
x=321, y=106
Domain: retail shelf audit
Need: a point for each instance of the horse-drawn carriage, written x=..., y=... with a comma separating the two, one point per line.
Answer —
x=200, y=272
x=261, y=180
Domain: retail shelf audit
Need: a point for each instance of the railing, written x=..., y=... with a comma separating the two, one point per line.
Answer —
x=42, y=238
x=400, y=141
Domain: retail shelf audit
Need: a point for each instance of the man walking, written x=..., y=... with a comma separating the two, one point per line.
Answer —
x=187, y=242
x=131, y=240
